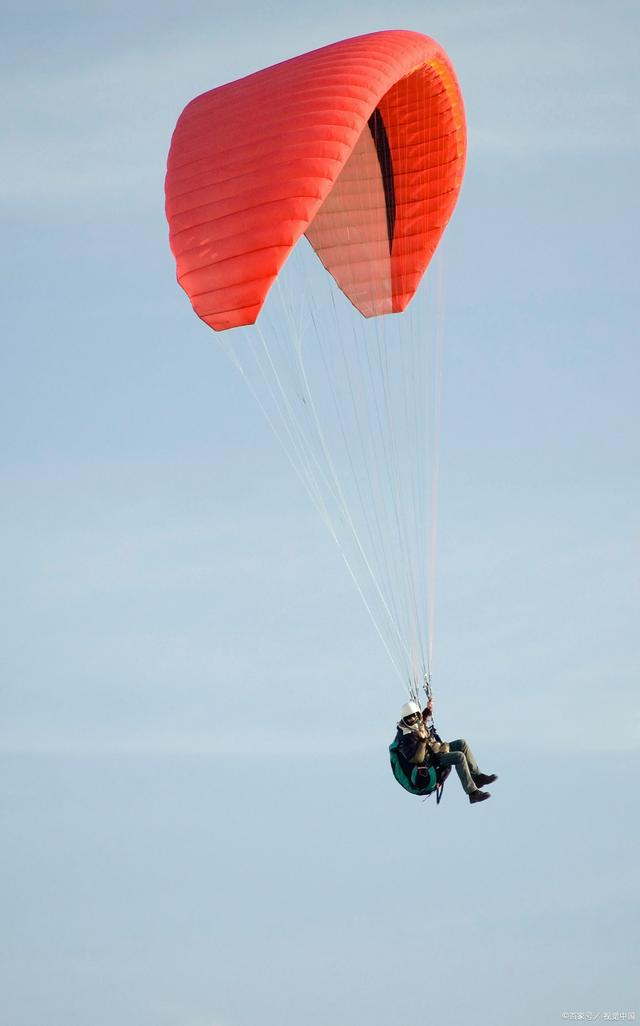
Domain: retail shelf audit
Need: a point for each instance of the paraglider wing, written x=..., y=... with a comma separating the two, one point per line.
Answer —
x=360, y=145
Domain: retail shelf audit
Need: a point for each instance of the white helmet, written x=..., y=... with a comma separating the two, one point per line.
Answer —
x=409, y=709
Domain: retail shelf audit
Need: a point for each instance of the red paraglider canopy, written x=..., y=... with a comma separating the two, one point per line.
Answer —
x=360, y=145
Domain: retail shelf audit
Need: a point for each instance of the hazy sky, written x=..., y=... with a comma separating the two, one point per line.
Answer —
x=199, y=823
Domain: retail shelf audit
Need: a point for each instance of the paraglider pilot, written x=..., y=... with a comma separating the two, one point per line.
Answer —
x=420, y=745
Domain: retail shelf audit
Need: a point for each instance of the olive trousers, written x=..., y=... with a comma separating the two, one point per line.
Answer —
x=460, y=756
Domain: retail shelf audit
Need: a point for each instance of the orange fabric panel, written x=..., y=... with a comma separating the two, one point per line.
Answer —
x=349, y=233
x=252, y=163
x=424, y=119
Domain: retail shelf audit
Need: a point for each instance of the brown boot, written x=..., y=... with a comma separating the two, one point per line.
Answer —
x=478, y=796
x=482, y=779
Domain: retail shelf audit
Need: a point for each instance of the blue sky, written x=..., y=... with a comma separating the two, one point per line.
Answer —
x=200, y=827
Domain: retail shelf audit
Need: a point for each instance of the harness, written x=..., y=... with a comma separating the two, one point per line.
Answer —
x=421, y=780
x=418, y=780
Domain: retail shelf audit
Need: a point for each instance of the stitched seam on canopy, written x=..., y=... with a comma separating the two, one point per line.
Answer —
x=246, y=210
x=277, y=199
x=303, y=134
